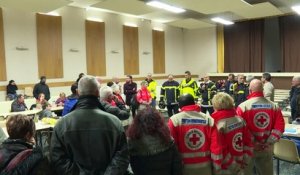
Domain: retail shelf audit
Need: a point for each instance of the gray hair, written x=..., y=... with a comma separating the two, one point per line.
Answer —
x=115, y=87
x=88, y=85
x=249, y=78
x=105, y=92
x=296, y=78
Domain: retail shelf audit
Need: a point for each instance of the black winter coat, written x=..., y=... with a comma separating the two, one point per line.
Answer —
x=149, y=156
x=89, y=141
x=33, y=164
x=41, y=88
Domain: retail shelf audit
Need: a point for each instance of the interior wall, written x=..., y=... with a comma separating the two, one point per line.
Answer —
x=22, y=66
x=200, y=50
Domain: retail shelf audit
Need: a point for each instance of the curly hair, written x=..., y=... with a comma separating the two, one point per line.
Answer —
x=149, y=122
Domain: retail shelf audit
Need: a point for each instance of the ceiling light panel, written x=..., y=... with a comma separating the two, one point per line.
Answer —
x=133, y=7
x=165, y=6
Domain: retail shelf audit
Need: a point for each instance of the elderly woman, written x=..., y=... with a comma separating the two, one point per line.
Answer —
x=151, y=147
x=18, y=153
x=109, y=104
x=235, y=137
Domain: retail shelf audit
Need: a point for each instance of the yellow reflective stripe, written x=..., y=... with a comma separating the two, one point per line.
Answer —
x=195, y=154
x=241, y=92
x=216, y=156
x=171, y=87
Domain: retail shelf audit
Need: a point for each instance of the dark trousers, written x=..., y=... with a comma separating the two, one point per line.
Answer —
x=205, y=109
x=172, y=109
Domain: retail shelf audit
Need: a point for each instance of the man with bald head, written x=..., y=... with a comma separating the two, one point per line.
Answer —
x=265, y=122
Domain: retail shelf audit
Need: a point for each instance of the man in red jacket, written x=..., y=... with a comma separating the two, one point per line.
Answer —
x=196, y=138
x=265, y=122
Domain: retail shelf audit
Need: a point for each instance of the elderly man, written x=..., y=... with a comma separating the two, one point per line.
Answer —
x=89, y=140
x=18, y=104
x=295, y=99
x=265, y=122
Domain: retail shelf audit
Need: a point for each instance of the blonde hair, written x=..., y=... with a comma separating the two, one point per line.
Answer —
x=222, y=101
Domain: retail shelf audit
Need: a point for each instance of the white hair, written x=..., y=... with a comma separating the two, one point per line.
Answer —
x=105, y=92
x=88, y=85
x=296, y=78
x=115, y=87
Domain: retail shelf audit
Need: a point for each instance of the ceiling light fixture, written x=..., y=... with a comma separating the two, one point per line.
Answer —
x=94, y=19
x=296, y=9
x=130, y=24
x=222, y=21
x=164, y=6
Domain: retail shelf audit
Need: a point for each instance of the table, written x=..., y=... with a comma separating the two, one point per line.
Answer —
x=294, y=134
x=27, y=112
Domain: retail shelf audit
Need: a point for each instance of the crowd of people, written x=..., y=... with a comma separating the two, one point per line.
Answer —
x=223, y=127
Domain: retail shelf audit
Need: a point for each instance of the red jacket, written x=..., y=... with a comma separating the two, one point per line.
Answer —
x=236, y=140
x=196, y=138
x=143, y=95
x=264, y=119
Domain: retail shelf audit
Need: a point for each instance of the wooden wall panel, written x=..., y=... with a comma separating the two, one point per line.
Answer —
x=131, y=50
x=2, y=50
x=158, y=42
x=49, y=45
x=95, y=48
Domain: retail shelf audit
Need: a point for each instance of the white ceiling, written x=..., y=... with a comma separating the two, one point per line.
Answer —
x=198, y=12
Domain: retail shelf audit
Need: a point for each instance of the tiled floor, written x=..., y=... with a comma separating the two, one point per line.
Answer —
x=287, y=168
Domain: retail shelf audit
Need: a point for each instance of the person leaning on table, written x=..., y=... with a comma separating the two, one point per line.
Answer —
x=18, y=104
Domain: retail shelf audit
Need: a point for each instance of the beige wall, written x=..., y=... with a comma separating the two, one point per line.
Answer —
x=200, y=50
x=193, y=50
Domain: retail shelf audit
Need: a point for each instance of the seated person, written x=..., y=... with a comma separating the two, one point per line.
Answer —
x=117, y=93
x=11, y=90
x=18, y=153
x=106, y=100
x=61, y=100
x=71, y=100
x=18, y=104
x=42, y=103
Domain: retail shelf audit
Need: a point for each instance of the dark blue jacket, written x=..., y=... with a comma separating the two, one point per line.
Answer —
x=170, y=91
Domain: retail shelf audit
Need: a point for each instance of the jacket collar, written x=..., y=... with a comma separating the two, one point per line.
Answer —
x=255, y=94
x=88, y=102
x=17, y=144
x=217, y=115
x=191, y=108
